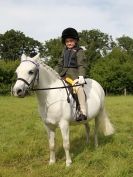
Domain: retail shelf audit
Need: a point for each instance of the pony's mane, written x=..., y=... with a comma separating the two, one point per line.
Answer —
x=41, y=61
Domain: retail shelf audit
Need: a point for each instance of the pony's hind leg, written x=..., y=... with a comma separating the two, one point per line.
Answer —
x=104, y=124
x=64, y=126
x=96, y=133
x=87, y=128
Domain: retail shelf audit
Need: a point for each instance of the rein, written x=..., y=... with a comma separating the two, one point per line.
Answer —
x=52, y=88
x=31, y=84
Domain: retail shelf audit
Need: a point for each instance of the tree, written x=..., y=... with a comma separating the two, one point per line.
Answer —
x=52, y=51
x=126, y=43
x=97, y=45
x=14, y=43
x=96, y=42
x=114, y=72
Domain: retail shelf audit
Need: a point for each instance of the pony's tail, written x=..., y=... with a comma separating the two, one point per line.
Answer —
x=104, y=124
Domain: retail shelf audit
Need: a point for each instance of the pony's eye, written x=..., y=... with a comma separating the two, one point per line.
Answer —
x=31, y=72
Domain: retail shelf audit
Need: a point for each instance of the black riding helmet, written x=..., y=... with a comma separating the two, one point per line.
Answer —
x=69, y=33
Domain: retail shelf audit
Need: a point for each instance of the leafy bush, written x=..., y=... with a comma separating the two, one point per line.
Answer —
x=114, y=72
x=7, y=77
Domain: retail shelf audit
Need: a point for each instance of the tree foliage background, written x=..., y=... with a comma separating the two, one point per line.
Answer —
x=109, y=61
x=14, y=43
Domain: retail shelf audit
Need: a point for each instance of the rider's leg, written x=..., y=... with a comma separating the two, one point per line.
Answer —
x=82, y=103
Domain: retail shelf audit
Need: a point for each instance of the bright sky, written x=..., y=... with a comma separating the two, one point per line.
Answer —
x=45, y=19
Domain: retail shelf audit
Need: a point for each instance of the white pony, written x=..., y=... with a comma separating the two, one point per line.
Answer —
x=53, y=105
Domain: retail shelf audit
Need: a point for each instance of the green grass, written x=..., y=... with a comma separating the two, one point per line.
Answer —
x=24, y=146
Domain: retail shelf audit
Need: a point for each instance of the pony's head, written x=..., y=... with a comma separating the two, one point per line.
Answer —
x=27, y=73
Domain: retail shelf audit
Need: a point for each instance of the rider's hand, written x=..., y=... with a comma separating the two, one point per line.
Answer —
x=81, y=80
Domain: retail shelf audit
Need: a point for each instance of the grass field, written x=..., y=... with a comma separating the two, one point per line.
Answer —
x=24, y=148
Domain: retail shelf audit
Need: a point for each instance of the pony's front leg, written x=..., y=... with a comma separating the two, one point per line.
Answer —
x=51, y=137
x=64, y=126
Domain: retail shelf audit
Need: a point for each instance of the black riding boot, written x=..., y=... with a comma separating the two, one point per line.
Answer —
x=81, y=117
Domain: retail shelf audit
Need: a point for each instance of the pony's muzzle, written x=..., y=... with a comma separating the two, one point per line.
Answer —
x=19, y=92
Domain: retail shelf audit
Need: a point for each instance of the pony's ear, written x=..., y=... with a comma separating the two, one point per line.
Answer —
x=23, y=57
x=36, y=57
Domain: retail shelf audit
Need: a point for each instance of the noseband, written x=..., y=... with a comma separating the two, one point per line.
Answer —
x=31, y=84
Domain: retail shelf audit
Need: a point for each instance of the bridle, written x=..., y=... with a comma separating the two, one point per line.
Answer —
x=36, y=77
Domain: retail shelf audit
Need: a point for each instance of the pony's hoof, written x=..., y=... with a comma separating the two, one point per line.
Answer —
x=51, y=162
x=96, y=146
x=68, y=163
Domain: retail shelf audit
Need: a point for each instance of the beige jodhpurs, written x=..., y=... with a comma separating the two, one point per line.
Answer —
x=81, y=98
x=80, y=92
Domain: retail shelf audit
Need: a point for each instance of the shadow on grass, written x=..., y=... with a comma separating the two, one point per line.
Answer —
x=78, y=145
